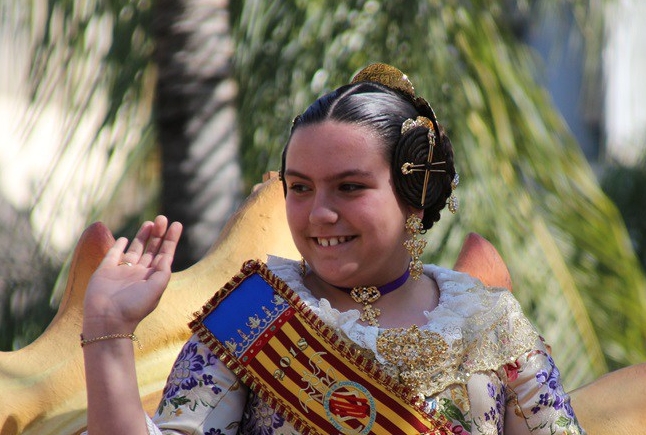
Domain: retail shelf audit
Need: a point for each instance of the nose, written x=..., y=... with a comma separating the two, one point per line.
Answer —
x=323, y=210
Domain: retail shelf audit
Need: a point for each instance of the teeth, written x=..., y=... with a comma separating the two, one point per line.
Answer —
x=332, y=241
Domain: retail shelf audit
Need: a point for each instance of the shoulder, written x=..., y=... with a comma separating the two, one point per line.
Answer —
x=493, y=327
x=467, y=294
x=284, y=268
x=289, y=271
x=479, y=306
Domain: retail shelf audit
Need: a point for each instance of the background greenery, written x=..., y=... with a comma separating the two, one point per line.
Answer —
x=525, y=184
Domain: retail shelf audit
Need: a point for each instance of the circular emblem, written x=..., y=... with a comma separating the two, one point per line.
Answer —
x=350, y=407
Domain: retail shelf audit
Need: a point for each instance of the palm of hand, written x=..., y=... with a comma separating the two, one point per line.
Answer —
x=120, y=295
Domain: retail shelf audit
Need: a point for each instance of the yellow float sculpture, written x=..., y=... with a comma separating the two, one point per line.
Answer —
x=42, y=386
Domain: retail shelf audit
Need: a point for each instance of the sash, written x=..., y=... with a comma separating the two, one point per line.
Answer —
x=261, y=330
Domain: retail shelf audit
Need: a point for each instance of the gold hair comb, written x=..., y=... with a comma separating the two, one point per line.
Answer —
x=387, y=75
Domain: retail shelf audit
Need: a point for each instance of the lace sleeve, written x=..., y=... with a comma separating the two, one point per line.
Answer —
x=537, y=402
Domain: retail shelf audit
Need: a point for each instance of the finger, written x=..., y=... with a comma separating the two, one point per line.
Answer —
x=138, y=244
x=164, y=257
x=157, y=235
x=114, y=254
x=160, y=278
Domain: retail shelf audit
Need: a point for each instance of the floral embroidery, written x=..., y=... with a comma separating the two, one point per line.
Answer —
x=190, y=371
x=213, y=431
x=259, y=418
x=460, y=397
x=496, y=415
x=459, y=423
x=554, y=397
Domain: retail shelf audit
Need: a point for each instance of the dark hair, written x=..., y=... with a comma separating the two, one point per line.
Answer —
x=384, y=110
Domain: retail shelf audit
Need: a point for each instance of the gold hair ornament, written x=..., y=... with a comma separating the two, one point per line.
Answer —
x=408, y=168
x=388, y=76
x=393, y=78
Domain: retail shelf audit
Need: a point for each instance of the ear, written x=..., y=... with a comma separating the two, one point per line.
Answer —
x=411, y=211
x=414, y=210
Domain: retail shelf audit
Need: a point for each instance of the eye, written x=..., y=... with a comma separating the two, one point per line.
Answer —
x=298, y=188
x=351, y=187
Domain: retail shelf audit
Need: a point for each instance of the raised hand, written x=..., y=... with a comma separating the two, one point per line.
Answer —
x=128, y=284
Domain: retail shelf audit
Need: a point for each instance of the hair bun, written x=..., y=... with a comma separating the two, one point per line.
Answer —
x=420, y=183
x=409, y=166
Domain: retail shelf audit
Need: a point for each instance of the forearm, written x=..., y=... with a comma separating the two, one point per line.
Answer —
x=114, y=405
x=125, y=288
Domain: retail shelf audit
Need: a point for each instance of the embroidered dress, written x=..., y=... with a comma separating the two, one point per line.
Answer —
x=477, y=361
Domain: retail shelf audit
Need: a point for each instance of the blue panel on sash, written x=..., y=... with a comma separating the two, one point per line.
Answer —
x=233, y=311
x=231, y=320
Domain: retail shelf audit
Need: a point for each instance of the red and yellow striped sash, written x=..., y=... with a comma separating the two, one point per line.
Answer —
x=283, y=352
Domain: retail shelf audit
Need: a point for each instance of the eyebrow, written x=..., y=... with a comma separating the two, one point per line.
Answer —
x=345, y=174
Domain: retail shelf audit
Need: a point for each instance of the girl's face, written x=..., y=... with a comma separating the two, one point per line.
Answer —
x=342, y=210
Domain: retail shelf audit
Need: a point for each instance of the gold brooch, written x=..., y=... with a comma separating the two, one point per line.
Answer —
x=366, y=296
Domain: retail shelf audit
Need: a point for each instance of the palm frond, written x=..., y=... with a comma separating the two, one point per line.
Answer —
x=83, y=92
x=526, y=186
x=92, y=64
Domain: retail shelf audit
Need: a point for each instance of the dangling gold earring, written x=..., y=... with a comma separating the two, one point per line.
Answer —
x=415, y=245
x=303, y=267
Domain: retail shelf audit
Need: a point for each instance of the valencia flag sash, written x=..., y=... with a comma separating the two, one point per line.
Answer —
x=284, y=353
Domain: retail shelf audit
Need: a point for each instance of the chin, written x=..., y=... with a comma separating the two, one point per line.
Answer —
x=339, y=276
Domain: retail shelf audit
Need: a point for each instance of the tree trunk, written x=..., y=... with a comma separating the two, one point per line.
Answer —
x=196, y=120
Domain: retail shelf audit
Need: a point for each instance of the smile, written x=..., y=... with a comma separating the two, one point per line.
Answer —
x=333, y=241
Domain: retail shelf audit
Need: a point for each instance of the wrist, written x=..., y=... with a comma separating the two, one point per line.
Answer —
x=87, y=340
x=96, y=326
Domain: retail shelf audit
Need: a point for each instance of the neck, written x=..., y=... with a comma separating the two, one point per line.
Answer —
x=384, y=289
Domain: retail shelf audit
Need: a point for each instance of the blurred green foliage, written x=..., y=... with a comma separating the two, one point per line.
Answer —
x=525, y=184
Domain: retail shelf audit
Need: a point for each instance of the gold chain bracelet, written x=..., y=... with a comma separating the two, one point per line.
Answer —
x=132, y=337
